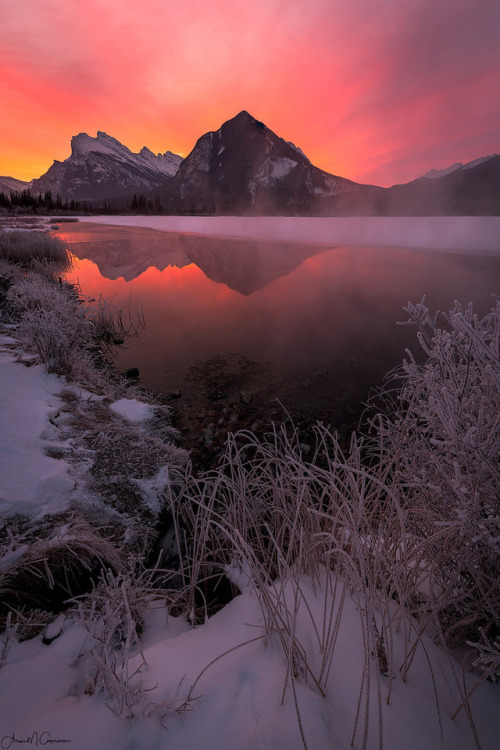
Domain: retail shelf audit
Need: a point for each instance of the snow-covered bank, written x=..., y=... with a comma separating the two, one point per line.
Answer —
x=459, y=234
x=32, y=481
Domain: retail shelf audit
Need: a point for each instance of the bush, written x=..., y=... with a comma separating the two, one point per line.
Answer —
x=35, y=250
x=51, y=323
x=68, y=335
x=440, y=443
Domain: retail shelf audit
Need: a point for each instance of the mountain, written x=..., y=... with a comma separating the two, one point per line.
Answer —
x=467, y=189
x=432, y=174
x=10, y=184
x=246, y=168
x=102, y=168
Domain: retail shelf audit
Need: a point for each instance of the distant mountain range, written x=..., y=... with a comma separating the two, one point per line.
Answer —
x=245, y=168
x=9, y=184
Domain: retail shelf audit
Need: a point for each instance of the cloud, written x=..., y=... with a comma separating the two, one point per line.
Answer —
x=373, y=91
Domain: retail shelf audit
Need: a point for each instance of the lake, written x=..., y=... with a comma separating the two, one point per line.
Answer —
x=240, y=323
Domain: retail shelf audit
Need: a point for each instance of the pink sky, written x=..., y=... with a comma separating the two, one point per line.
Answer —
x=378, y=92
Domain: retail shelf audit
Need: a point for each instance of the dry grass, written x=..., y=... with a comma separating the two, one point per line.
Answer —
x=44, y=568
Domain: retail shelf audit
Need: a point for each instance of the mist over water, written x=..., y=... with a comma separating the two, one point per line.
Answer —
x=320, y=321
x=474, y=234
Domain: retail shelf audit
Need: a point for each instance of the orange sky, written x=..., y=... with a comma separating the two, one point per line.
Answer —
x=376, y=91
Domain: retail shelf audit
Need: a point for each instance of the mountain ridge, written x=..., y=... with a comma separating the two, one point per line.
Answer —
x=246, y=168
x=102, y=168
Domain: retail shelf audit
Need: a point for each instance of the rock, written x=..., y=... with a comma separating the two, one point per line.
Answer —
x=54, y=630
x=217, y=396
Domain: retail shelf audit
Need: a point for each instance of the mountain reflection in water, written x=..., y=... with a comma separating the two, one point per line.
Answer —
x=316, y=325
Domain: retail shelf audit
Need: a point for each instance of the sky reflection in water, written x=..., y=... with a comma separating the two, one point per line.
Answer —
x=322, y=319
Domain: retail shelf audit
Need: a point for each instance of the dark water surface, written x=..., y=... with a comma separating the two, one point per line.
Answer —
x=314, y=326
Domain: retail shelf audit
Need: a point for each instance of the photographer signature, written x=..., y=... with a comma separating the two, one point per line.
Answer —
x=35, y=738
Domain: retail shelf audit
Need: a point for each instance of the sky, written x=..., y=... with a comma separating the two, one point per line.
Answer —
x=378, y=91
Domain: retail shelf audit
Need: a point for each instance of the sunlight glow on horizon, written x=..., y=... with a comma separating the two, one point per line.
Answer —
x=375, y=93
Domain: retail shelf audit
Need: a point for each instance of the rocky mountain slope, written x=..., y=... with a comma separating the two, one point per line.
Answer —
x=10, y=184
x=245, y=167
x=102, y=168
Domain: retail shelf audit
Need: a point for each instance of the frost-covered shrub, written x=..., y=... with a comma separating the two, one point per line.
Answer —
x=441, y=441
x=66, y=333
x=34, y=293
x=51, y=323
x=113, y=615
x=32, y=250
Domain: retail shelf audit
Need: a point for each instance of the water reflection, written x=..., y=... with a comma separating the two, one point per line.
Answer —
x=243, y=265
x=322, y=320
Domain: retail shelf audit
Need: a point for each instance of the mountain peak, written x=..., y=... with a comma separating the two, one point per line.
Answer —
x=83, y=144
x=103, y=168
x=243, y=115
x=245, y=166
x=243, y=119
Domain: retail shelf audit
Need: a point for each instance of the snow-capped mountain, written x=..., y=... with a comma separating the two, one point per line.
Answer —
x=434, y=174
x=10, y=184
x=468, y=190
x=103, y=168
x=245, y=167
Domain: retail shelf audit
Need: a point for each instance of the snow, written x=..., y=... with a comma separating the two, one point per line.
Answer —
x=220, y=687
x=299, y=150
x=476, y=162
x=434, y=174
x=274, y=169
x=456, y=234
x=133, y=410
x=32, y=482
x=83, y=145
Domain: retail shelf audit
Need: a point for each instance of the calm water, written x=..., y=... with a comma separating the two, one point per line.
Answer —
x=312, y=325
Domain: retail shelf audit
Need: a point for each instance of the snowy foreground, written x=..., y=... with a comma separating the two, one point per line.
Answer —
x=222, y=685
x=458, y=234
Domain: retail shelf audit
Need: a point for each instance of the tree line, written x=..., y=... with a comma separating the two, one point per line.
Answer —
x=47, y=202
